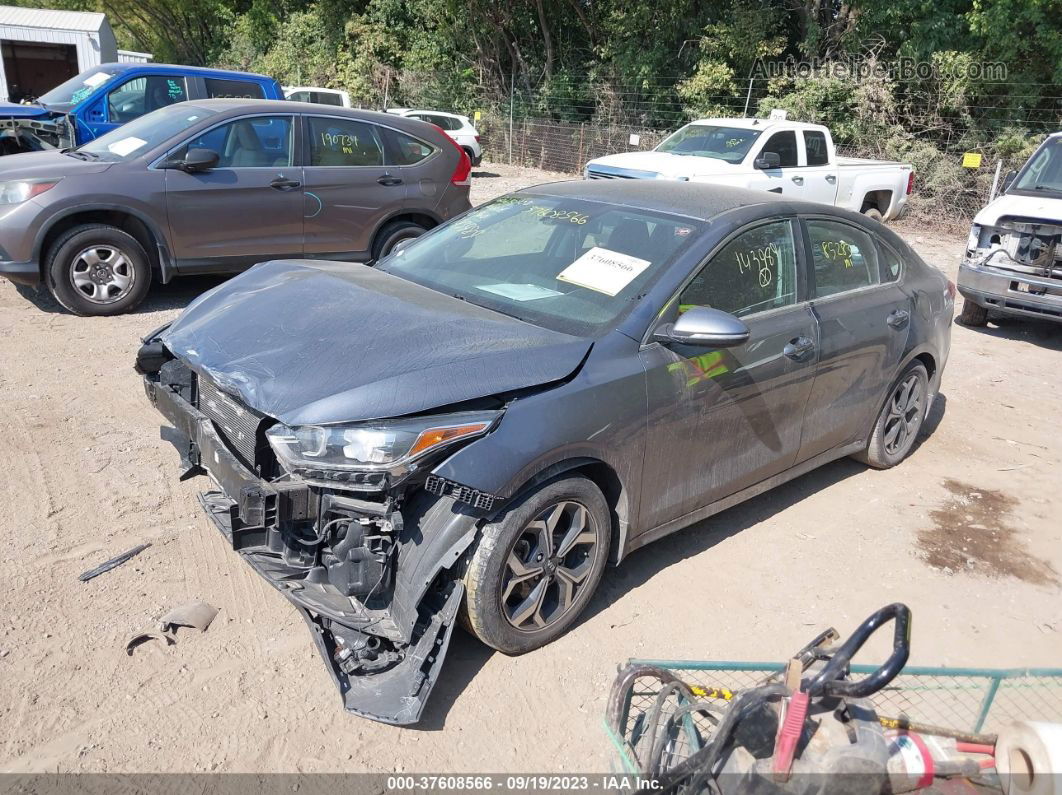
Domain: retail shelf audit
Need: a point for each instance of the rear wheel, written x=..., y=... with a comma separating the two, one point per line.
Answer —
x=535, y=569
x=392, y=234
x=972, y=314
x=96, y=269
x=875, y=213
x=900, y=420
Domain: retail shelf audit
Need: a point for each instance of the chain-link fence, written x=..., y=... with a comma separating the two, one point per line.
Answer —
x=958, y=146
x=962, y=700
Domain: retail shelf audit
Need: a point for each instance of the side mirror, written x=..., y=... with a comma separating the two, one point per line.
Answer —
x=198, y=160
x=1008, y=180
x=703, y=325
x=767, y=161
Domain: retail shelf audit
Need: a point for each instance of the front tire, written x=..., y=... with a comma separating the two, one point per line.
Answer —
x=900, y=420
x=97, y=269
x=537, y=566
x=392, y=234
x=973, y=315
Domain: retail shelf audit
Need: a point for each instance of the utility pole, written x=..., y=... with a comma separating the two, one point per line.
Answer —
x=512, y=98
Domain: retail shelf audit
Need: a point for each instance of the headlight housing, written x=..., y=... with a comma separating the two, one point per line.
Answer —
x=18, y=191
x=339, y=453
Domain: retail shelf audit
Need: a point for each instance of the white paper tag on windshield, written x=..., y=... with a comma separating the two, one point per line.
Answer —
x=96, y=79
x=518, y=292
x=126, y=145
x=603, y=270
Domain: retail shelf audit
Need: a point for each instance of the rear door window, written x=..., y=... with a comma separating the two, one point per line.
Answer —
x=217, y=88
x=889, y=263
x=754, y=272
x=344, y=142
x=140, y=95
x=844, y=258
x=815, y=146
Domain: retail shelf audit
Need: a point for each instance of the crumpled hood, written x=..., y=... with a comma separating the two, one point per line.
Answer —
x=12, y=110
x=1009, y=204
x=311, y=342
x=668, y=165
x=47, y=164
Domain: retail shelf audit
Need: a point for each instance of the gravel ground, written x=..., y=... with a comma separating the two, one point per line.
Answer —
x=967, y=532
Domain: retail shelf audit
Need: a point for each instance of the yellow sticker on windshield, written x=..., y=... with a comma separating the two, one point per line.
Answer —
x=603, y=271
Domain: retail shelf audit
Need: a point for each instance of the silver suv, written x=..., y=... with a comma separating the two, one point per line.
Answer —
x=215, y=186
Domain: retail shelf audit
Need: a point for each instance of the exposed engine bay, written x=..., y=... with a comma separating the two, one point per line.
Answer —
x=1018, y=244
x=382, y=629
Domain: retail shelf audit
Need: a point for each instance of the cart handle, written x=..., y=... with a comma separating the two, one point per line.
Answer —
x=830, y=681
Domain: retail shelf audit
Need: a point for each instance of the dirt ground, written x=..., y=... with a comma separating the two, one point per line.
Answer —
x=966, y=532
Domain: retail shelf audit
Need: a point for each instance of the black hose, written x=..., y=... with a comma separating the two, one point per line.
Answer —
x=830, y=680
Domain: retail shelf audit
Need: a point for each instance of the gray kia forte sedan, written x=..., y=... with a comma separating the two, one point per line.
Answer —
x=502, y=408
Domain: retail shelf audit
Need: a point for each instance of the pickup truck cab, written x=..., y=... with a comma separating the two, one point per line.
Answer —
x=1013, y=259
x=107, y=96
x=790, y=158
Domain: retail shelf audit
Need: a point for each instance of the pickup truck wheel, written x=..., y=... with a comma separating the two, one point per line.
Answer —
x=536, y=567
x=393, y=233
x=900, y=420
x=875, y=213
x=972, y=314
x=96, y=269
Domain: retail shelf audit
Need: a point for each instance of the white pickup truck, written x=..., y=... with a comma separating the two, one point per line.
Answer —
x=776, y=155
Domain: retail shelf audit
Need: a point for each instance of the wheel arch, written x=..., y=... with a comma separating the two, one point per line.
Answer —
x=143, y=229
x=602, y=475
x=425, y=219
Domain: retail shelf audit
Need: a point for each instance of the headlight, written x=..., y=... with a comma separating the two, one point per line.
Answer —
x=23, y=190
x=974, y=238
x=372, y=446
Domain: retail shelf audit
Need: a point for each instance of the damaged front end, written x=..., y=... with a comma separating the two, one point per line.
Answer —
x=368, y=555
x=1014, y=265
x=34, y=133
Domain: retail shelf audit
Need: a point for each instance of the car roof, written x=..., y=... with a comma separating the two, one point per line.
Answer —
x=696, y=200
x=759, y=124
x=195, y=70
x=295, y=106
x=436, y=112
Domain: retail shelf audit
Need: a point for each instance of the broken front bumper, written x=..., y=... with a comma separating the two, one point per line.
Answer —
x=1011, y=292
x=419, y=618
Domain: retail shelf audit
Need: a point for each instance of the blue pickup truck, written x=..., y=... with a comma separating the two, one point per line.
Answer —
x=107, y=96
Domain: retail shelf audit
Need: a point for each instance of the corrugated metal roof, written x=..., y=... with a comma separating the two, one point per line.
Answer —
x=87, y=21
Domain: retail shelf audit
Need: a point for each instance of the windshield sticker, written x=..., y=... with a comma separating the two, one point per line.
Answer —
x=519, y=292
x=603, y=271
x=97, y=79
x=126, y=146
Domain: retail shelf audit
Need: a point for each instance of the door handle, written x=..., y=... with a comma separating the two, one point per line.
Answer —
x=283, y=183
x=798, y=348
x=387, y=179
x=831, y=178
x=898, y=318
x=798, y=180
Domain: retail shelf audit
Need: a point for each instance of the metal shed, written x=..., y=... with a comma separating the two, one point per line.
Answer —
x=43, y=47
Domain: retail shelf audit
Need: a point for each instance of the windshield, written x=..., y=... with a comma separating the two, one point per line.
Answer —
x=707, y=140
x=144, y=134
x=568, y=265
x=77, y=88
x=1043, y=172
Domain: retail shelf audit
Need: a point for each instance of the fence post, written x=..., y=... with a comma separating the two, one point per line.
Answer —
x=748, y=98
x=581, y=160
x=512, y=97
x=995, y=179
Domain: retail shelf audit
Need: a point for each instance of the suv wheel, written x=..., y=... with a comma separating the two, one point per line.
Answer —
x=536, y=567
x=393, y=233
x=900, y=420
x=972, y=314
x=97, y=269
x=875, y=213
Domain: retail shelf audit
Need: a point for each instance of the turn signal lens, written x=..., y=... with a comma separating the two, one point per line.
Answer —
x=433, y=437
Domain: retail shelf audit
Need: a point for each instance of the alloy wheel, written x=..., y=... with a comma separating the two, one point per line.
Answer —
x=102, y=274
x=906, y=407
x=548, y=565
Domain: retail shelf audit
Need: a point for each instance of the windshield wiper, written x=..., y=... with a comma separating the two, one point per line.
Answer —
x=82, y=155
